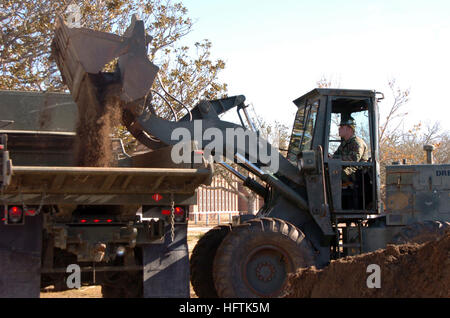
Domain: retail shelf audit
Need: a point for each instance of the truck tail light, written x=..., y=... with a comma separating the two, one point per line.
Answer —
x=15, y=215
x=95, y=221
x=179, y=211
x=30, y=212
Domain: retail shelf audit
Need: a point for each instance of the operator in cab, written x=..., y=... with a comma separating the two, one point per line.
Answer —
x=352, y=148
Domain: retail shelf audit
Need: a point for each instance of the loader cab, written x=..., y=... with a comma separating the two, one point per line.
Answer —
x=316, y=128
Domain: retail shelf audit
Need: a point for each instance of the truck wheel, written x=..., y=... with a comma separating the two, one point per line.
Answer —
x=202, y=258
x=122, y=285
x=421, y=232
x=254, y=260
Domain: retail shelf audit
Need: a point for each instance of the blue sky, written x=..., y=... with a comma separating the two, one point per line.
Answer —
x=275, y=51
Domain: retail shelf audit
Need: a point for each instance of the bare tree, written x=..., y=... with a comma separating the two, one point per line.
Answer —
x=401, y=97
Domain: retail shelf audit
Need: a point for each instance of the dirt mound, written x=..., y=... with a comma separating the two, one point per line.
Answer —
x=95, y=125
x=409, y=270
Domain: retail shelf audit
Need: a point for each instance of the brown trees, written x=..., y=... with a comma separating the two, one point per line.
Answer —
x=398, y=143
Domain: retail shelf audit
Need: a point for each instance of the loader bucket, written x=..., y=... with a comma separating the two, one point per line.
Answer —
x=81, y=55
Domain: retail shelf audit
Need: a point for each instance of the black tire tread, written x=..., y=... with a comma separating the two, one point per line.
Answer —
x=300, y=249
x=201, y=262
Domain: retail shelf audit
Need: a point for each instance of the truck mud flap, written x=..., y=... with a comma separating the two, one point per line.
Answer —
x=20, y=259
x=166, y=266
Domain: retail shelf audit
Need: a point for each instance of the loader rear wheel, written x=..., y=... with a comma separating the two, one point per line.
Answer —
x=202, y=259
x=421, y=232
x=254, y=260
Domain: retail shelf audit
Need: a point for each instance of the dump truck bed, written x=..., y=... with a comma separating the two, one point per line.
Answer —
x=100, y=186
x=41, y=143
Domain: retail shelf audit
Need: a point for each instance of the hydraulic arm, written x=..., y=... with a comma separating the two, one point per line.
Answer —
x=76, y=53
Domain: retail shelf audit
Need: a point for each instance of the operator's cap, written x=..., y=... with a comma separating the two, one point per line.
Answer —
x=348, y=122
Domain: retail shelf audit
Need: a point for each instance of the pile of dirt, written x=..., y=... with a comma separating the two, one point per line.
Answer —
x=95, y=125
x=409, y=270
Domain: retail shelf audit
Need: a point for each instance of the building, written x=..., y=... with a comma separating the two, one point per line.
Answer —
x=218, y=202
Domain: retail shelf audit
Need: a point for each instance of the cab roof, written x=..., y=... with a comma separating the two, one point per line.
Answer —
x=333, y=92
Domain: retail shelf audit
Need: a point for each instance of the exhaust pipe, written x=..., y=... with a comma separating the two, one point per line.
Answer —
x=429, y=150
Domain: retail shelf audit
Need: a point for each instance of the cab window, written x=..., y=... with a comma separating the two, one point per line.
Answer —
x=359, y=113
x=303, y=130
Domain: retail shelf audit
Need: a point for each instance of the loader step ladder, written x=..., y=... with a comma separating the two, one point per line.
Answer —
x=350, y=248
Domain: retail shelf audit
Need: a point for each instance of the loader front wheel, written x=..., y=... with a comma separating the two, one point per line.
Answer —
x=202, y=261
x=254, y=260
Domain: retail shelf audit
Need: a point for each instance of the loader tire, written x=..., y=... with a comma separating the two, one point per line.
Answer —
x=421, y=232
x=202, y=259
x=254, y=260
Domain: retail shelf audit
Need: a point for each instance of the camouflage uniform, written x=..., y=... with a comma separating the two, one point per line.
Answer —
x=354, y=149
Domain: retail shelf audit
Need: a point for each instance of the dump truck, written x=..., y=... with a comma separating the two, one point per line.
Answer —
x=125, y=226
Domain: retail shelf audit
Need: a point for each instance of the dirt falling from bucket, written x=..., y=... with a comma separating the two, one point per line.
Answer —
x=409, y=270
x=95, y=125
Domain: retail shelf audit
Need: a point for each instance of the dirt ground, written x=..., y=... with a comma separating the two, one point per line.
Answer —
x=409, y=270
x=194, y=235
